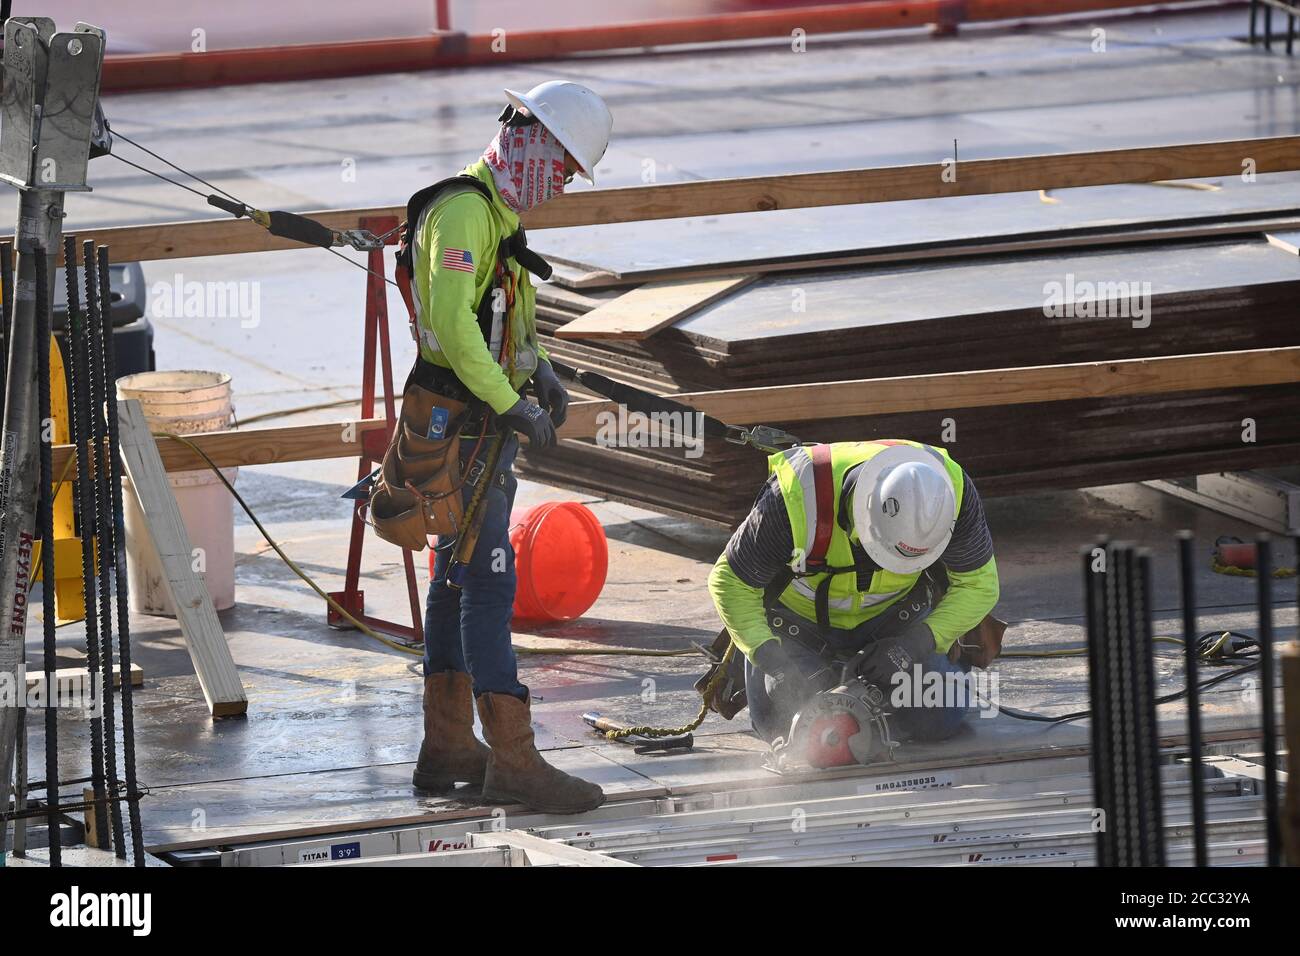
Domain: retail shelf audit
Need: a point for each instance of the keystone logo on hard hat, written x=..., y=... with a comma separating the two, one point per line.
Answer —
x=906, y=549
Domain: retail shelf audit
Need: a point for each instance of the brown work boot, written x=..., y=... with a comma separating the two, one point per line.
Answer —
x=516, y=772
x=449, y=753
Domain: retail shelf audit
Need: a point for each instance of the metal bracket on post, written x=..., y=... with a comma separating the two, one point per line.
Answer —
x=47, y=114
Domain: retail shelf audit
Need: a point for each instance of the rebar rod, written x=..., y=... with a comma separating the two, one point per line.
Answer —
x=45, y=520
x=1264, y=590
x=102, y=533
x=120, y=579
x=1191, y=659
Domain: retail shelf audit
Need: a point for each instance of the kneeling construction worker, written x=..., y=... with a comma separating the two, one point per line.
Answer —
x=474, y=308
x=834, y=563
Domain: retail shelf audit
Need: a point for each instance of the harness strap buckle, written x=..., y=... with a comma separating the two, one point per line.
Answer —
x=763, y=437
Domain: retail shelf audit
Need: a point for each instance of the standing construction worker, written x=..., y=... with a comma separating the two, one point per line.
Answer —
x=474, y=306
x=881, y=513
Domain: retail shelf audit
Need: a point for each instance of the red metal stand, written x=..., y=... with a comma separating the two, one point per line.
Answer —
x=373, y=445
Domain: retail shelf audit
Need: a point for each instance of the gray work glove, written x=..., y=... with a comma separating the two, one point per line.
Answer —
x=532, y=421
x=896, y=652
x=771, y=658
x=550, y=393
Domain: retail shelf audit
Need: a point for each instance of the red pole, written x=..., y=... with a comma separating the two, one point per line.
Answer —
x=448, y=49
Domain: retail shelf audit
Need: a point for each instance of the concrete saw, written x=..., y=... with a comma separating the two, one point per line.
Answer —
x=840, y=727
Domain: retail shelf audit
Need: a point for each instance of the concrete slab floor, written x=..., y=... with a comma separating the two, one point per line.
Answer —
x=333, y=720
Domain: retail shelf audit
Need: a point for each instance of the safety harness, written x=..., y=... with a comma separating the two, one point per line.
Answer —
x=814, y=563
x=513, y=247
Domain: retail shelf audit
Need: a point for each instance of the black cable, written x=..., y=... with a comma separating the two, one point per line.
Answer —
x=168, y=162
x=120, y=587
x=1167, y=699
x=204, y=196
x=158, y=175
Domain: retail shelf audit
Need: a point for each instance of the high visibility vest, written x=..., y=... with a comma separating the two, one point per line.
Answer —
x=847, y=603
x=524, y=353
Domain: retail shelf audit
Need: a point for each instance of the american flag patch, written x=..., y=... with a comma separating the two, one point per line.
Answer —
x=458, y=259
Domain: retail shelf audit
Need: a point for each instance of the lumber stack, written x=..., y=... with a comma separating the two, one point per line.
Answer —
x=1232, y=296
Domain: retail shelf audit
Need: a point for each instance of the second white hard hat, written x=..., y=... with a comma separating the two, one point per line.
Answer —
x=575, y=115
x=904, y=507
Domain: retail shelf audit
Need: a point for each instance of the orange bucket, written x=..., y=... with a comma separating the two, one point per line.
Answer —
x=560, y=560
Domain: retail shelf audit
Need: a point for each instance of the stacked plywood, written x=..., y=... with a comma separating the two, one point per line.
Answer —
x=993, y=313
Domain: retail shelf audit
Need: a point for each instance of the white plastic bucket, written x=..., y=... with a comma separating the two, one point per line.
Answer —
x=183, y=403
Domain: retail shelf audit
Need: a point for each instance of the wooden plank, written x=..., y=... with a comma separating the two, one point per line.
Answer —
x=921, y=181
x=586, y=207
x=1286, y=241
x=67, y=678
x=790, y=403
x=656, y=305
x=256, y=446
x=1010, y=386
x=194, y=612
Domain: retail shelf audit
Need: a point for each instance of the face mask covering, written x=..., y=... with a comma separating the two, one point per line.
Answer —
x=527, y=163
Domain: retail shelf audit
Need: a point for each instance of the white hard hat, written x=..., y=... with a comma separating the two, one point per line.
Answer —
x=904, y=506
x=576, y=116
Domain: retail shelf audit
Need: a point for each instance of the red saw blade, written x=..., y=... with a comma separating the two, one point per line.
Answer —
x=828, y=741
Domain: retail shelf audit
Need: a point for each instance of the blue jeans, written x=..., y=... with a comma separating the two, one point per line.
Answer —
x=771, y=708
x=469, y=629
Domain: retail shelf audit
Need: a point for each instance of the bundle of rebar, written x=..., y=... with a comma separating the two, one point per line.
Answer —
x=1121, y=674
x=93, y=412
x=92, y=426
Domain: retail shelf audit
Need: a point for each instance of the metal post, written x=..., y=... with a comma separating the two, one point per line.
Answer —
x=1264, y=580
x=43, y=152
x=40, y=215
x=1192, y=667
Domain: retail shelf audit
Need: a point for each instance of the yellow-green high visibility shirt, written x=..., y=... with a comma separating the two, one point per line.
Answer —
x=455, y=257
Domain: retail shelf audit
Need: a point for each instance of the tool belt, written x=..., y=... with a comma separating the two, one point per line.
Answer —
x=418, y=491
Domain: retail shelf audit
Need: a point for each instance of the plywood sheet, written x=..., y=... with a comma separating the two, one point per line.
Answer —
x=654, y=306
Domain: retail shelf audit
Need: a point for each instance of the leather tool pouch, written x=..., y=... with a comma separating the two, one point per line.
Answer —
x=979, y=646
x=727, y=698
x=418, y=492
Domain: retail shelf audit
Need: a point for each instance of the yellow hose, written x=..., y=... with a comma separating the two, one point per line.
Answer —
x=413, y=649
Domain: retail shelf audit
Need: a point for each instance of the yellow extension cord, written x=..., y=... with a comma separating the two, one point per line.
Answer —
x=1236, y=572
x=370, y=632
